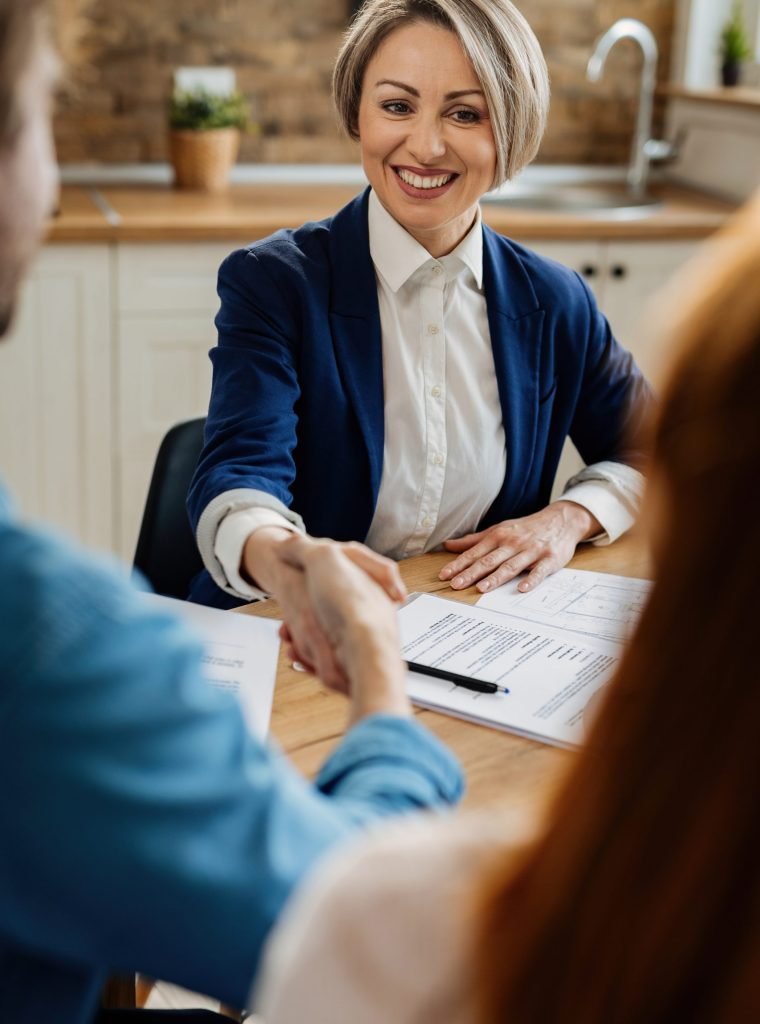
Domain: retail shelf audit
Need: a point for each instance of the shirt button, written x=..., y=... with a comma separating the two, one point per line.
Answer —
x=427, y=521
x=433, y=329
x=438, y=459
x=435, y=392
x=437, y=270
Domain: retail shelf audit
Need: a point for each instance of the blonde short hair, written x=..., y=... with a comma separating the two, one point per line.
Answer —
x=501, y=47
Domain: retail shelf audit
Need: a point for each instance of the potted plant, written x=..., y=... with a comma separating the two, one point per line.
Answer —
x=204, y=138
x=734, y=47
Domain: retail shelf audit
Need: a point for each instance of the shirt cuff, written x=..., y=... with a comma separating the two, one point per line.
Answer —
x=393, y=763
x=610, y=491
x=234, y=530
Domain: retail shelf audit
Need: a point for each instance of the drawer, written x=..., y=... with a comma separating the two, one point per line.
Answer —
x=170, y=278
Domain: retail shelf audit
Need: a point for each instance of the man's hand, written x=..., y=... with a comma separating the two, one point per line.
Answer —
x=542, y=543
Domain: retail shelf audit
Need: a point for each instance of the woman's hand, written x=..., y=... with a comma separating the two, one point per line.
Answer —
x=346, y=588
x=542, y=543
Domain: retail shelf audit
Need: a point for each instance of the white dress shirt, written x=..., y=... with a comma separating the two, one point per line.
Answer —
x=445, y=454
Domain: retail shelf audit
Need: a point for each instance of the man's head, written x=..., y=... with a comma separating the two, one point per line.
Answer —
x=28, y=178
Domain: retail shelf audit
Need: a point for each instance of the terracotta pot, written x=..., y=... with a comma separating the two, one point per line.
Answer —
x=203, y=160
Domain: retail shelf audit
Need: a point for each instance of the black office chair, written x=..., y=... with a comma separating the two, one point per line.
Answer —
x=166, y=550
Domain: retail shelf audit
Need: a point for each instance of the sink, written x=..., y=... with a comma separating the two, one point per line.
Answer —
x=590, y=198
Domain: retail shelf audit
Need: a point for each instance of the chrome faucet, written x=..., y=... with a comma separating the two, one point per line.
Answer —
x=644, y=148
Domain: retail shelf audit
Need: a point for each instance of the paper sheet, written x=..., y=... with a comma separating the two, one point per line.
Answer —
x=240, y=655
x=551, y=675
x=595, y=604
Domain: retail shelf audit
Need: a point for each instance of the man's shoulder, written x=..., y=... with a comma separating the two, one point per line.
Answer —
x=54, y=586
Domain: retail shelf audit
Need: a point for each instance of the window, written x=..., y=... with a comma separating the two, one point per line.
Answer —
x=698, y=41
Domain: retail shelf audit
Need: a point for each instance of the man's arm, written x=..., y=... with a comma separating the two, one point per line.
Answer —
x=146, y=829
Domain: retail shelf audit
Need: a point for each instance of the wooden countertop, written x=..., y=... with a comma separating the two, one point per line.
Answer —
x=155, y=213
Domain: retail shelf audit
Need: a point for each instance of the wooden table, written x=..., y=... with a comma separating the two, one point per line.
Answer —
x=501, y=769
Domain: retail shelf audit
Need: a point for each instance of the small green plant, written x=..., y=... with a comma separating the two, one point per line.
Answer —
x=201, y=111
x=734, y=43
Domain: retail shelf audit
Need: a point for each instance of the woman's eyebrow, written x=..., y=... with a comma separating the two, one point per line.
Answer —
x=397, y=85
x=414, y=92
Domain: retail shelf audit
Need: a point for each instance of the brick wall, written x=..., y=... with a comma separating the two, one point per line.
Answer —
x=119, y=56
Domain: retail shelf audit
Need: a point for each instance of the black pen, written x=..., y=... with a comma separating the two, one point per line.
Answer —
x=478, y=685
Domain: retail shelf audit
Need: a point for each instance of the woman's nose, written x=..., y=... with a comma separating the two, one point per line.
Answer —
x=426, y=143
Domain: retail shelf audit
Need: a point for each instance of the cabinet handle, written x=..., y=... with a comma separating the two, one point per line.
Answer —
x=618, y=270
x=589, y=270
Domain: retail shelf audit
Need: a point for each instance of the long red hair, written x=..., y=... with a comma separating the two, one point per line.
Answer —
x=640, y=900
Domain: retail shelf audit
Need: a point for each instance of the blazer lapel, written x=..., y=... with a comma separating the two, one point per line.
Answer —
x=355, y=327
x=516, y=324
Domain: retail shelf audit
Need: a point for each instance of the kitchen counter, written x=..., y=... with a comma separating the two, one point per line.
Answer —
x=158, y=213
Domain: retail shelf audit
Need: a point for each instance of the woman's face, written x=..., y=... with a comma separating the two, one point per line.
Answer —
x=425, y=134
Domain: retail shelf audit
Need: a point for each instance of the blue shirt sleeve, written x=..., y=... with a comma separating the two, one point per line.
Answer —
x=143, y=826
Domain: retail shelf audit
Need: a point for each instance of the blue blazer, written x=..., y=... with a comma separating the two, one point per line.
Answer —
x=297, y=406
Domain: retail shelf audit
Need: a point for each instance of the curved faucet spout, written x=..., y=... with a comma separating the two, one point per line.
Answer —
x=630, y=28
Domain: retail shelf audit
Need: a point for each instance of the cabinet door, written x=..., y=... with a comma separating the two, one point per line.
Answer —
x=636, y=271
x=165, y=377
x=166, y=306
x=169, y=278
x=55, y=394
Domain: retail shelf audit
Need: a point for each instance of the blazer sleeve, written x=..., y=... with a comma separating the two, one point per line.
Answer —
x=250, y=435
x=614, y=398
x=144, y=827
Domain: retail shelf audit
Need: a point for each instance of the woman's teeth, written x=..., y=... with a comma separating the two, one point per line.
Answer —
x=418, y=182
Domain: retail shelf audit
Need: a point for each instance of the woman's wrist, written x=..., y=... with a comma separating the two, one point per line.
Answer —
x=259, y=564
x=578, y=518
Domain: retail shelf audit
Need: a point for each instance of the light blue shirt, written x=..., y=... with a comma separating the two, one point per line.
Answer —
x=141, y=826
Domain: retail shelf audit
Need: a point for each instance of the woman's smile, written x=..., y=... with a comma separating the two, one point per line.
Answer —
x=420, y=183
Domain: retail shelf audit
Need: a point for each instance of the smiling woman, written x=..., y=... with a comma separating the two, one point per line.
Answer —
x=399, y=374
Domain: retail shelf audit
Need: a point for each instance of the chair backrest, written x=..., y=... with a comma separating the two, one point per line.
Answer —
x=166, y=550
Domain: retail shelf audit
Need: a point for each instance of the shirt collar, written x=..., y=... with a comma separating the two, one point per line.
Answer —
x=397, y=256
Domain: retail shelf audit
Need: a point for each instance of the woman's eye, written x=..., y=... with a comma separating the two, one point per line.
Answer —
x=396, y=107
x=466, y=116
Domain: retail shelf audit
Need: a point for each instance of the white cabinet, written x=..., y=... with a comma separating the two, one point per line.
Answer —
x=56, y=394
x=166, y=303
x=624, y=277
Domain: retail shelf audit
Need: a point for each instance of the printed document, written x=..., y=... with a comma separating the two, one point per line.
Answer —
x=595, y=604
x=551, y=674
x=240, y=655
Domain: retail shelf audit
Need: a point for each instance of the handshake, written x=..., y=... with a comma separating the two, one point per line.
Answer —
x=339, y=606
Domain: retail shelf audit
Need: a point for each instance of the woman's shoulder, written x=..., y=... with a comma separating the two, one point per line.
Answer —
x=292, y=250
x=384, y=926
x=554, y=284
